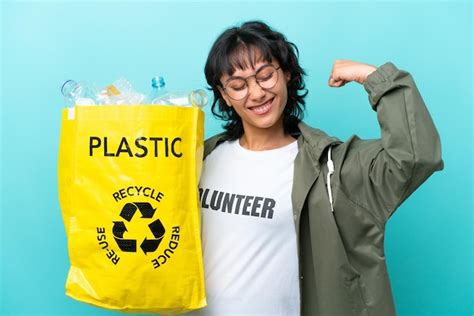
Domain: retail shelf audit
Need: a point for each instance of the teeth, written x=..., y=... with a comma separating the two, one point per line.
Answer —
x=262, y=108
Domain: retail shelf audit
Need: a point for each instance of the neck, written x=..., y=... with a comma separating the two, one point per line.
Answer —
x=258, y=139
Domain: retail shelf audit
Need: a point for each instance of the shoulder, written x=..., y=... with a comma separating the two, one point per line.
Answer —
x=211, y=143
x=314, y=136
x=314, y=144
x=313, y=141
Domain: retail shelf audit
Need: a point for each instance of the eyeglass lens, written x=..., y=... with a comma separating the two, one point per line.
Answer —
x=266, y=78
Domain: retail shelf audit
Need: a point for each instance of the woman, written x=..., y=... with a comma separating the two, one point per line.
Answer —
x=293, y=220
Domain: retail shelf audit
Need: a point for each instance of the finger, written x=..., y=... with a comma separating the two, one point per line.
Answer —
x=332, y=81
x=336, y=83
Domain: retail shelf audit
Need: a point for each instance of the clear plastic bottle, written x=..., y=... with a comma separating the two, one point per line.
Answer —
x=120, y=92
x=161, y=96
x=158, y=90
x=198, y=98
x=179, y=98
x=78, y=93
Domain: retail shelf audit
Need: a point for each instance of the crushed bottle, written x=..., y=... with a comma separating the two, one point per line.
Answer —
x=120, y=92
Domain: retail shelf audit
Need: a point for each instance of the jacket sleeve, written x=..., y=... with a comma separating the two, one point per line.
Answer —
x=380, y=174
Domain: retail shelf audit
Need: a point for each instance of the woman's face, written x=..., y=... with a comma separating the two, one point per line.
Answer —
x=261, y=108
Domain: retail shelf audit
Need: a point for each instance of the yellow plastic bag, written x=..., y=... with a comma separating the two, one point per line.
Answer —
x=128, y=180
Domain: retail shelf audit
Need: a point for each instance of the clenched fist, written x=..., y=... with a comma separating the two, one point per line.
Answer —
x=344, y=71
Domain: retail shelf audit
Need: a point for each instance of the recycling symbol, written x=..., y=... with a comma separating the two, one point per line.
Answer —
x=156, y=228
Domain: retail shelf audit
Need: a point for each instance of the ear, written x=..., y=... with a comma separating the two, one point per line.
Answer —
x=287, y=76
x=224, y=96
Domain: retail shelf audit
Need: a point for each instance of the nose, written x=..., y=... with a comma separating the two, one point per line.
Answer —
x=255, y=91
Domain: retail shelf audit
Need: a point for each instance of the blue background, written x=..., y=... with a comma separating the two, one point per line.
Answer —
x=429, y=243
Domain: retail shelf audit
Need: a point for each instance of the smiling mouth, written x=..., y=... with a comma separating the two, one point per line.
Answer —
x=262, y=109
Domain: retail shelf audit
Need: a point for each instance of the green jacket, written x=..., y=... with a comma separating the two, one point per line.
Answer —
x=341, y=253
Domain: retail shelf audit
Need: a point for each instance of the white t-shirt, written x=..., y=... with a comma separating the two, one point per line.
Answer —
x=249, y=238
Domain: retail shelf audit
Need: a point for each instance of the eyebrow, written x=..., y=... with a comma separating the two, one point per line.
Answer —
x=256, y=71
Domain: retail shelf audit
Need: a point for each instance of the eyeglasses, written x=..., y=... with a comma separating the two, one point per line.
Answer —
x=237, y=88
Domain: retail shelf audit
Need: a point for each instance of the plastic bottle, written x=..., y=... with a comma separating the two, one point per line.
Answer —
x=179, y=98
x=120, y=92
x=198, y=98
x=77, y=93
x=176, y=98
x=158, y=90
x=160, y=95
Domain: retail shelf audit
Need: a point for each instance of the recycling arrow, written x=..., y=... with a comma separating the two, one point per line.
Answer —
x=129, y=210
x=158, y=230
x=156, y=227
x=118, y=229
x=150, y=245
x=127, y=245
x=146, y=209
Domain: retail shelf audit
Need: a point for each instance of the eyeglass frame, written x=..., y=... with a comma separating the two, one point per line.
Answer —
x=224, y=86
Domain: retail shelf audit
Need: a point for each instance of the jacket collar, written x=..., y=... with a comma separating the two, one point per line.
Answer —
x=316, y=141
x=311, y=145
x=212, y=143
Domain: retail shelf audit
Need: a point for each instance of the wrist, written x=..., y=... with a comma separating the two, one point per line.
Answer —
x=370, y=69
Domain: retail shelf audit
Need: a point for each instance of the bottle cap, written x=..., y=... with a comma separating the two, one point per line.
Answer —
x=158, y=82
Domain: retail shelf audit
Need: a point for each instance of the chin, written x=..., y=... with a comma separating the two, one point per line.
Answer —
x=268, y=123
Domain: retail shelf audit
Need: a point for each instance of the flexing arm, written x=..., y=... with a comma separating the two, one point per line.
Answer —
x=381, y=174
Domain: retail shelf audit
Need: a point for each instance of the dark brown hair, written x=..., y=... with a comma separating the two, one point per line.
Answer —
x=238, y=46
